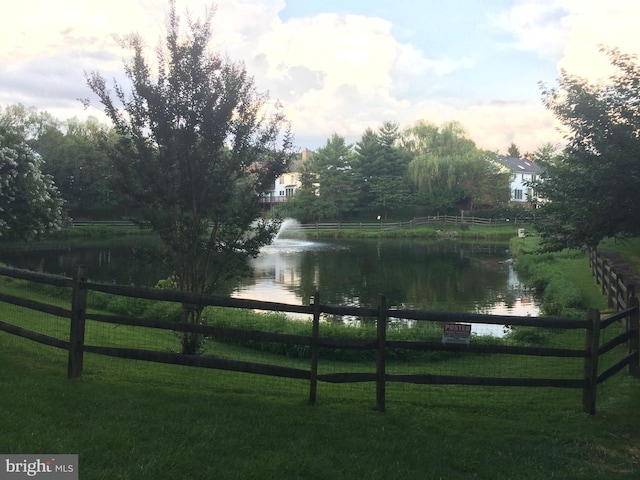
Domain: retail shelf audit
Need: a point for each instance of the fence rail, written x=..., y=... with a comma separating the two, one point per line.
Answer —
x=430, y=220
x=612, y=283
x=78, y=317
x=379, y=225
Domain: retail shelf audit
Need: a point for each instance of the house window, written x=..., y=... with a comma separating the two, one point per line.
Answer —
x=517, y=194
x=289, y=191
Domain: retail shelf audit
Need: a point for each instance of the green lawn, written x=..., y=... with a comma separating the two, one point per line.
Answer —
x=137, y=420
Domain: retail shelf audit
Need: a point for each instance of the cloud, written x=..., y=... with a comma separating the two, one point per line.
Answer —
x=494, y=125
x=342, y=73
x=534, y=26
x=589, y=24
x=334, y=72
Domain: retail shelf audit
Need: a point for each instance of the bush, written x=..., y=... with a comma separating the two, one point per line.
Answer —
x=528, y=336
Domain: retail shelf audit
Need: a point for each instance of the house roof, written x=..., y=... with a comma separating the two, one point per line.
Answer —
x=519, y=165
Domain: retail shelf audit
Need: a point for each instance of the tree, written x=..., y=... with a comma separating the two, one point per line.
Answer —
x=590, y=190
x=449, y=171
x=513, y=151
x=381, y=167
x=333, y=177
x=196, y=152
x=77, y=158
x=29, y=201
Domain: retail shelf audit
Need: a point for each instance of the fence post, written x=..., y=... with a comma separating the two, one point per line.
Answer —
x=592, y=344
x=315, y=332
x=381, y=354
x=76, y=332
x=618, y=288
x=631, y=292
x=634, y=341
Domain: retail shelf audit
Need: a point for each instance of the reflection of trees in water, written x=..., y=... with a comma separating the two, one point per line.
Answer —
x=436, y=276
x=412, y=274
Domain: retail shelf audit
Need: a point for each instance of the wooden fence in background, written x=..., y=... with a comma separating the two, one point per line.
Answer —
x=78, y=317
x=430, y=220
x=613, y=286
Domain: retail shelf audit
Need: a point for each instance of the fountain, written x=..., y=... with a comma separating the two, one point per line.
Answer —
x=287, y=224
x=281, y=244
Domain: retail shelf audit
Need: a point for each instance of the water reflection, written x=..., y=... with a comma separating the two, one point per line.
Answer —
x=444, y=276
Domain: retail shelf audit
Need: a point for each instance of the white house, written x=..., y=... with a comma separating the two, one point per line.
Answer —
x=523, y=170
x=286, y=184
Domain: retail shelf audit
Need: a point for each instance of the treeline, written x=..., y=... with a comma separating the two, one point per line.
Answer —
x=424, y=170
x=75, y=155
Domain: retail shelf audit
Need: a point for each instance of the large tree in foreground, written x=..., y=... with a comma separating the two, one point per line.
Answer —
x=197, y=151
x=592, y=190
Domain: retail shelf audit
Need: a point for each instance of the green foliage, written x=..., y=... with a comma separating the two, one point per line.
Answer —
x=329, y=188
x=381, y=168
x=553, y=277
x=590, y=189
x=30, y=204
x=77, y=158
x=529, y=336
x=449, y=171
x=196, y=152
x=513, y=151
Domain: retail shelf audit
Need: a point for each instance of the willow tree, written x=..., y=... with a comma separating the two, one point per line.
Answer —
x=449, y=171
x=198, y=148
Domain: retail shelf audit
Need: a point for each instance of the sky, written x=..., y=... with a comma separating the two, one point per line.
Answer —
x=339, y=66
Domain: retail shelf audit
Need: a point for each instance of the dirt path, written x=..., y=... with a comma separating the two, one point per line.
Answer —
x=621, y=267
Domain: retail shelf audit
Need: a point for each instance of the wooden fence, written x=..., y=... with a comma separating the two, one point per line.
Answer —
x=78, y=316
x=613, y=286
x=462, y=221
x=379, y=225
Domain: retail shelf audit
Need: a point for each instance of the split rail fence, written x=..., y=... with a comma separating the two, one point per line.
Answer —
x=613, y=286
x=79, y=316
x=430, y=220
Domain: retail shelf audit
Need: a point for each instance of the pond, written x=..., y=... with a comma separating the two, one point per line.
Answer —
x=416, y=274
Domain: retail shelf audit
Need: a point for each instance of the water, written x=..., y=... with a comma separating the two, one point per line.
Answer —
x=419, y=274
x=445, y=276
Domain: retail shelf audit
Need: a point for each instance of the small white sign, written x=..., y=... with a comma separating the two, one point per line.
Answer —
x=459, y=333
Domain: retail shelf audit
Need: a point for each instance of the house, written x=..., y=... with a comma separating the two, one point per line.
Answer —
x=523, y=170
x=285, y=185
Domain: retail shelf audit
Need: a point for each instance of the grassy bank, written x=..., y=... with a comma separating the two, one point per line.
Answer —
x=562, y=280
x=453, y=232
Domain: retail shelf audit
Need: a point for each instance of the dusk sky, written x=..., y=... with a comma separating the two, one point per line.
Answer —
x=339, y=66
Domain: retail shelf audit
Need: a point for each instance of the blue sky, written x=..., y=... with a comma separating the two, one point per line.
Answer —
x=341, y=66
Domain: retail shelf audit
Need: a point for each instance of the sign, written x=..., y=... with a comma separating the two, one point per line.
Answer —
x=52, y=467
x=456, y=333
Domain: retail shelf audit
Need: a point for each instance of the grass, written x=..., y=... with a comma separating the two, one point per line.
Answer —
x=629, y=249
x=138, y=420
x=454, y=232
x=562, y=280
x=135, y=420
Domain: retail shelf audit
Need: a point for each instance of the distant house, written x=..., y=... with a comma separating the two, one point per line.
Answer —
x=523, y=170
x=285, y=185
